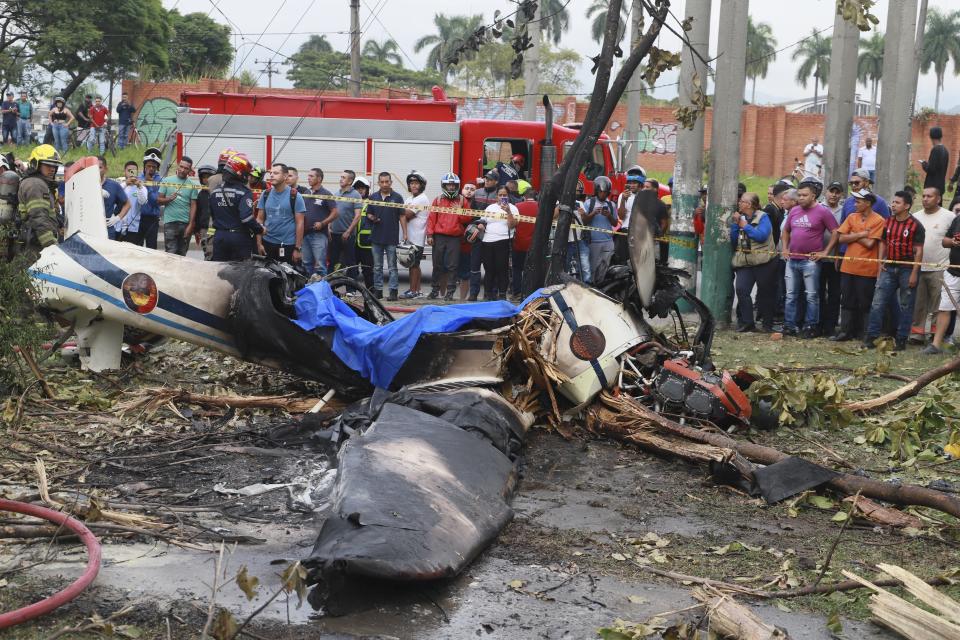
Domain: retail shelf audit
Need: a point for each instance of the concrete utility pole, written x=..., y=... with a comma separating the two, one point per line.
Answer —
x=270, y=70
x=531, y=66
x=841, y=100
x=688, y=171
x=898, y=88
x=355, y=48
x=717, y=285
x=632, y=132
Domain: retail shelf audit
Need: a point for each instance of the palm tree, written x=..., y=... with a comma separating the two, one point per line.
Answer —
x=761, y=51
x=555, y=19
x=941, y=42
x=451, y=32
x=386, y=51
x=320, y=44
x=870, y=66
x=815, y=55
x=598, y=11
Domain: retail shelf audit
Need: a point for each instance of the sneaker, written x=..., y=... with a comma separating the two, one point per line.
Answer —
x=932, y=350
x=378, y=295
x=868, y=343
x=790, y=331
x=810, y=333
x=416, y=295
x=449, y=296
x=393, y=295
x=407, y=295
x=900, y=344
x=434, y=294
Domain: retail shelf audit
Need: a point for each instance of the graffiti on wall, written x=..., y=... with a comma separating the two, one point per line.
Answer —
x=659, y=138
x=155, y=120
x=491, y=109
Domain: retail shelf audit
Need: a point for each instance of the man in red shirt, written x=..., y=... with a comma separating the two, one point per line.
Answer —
x=444, y=231
x=98, y=125
x=522, y=239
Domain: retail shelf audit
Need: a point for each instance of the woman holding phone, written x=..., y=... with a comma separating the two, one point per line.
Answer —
x=497, y=228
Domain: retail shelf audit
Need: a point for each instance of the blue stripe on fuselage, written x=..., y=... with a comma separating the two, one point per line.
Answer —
x=70, y=284
x=87, y=257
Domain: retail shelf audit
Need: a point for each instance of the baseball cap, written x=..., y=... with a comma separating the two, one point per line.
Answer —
x=863, y=174
x=492, y=175
x=864, y=194
x=835, y=186
x=632, y=177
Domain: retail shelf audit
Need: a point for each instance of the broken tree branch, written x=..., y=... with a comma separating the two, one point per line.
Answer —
x=845, y=483
x=729, y=619
x=906, y=391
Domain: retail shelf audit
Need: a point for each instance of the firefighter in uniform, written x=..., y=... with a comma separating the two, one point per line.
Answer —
x=37, y=203
x=231, y=210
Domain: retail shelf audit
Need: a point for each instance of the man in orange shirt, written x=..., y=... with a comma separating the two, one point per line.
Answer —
x=861, y=232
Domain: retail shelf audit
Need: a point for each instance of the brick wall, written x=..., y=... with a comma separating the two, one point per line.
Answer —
x=772, y=139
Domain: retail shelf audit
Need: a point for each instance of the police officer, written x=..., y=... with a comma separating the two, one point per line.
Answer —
x=37, y=202
x=231, y=209
x=510, y=171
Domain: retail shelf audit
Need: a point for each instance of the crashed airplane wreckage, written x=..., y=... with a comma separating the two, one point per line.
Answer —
x=428, y=454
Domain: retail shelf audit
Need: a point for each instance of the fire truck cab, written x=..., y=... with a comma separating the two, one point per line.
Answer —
x=371, y=135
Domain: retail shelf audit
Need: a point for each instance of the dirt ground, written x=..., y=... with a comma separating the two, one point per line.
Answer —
x=591, y=517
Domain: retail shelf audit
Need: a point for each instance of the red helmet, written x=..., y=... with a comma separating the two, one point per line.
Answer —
x=225, y=155
x=238, y=165
x=518, y=159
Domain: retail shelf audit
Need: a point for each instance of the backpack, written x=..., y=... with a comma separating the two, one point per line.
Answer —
x=9, y=200
x=293, y=199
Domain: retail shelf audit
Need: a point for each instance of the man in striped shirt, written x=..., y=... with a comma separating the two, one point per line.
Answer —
x=902, y=243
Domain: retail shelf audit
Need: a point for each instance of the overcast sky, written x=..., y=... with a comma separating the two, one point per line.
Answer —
x=407, y=20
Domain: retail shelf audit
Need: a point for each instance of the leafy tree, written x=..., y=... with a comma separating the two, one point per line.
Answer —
x=941, y=43
x=870, y=66
x=386, y=51
x=598, y=11
x=247, y=78
x=761, y=51
x=320, y=44
x=315, y=70
x=84, y=41
x=489, y=73
x=814, y=53
x=452, y=31
x=555, y=19
x=199, y=46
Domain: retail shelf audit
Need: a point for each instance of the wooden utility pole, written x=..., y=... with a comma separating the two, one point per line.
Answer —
x=717, y=284
x=688, y=171
x=531, y=66
x=634, y=88
x=841, y=99
x=355, y=48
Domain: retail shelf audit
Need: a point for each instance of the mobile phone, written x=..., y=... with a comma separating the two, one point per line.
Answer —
x=504, y=200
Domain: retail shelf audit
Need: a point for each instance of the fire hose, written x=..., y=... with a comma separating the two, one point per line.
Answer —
x=60, y=598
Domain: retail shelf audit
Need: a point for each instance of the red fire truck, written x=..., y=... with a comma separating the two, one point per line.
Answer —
x=370, y=135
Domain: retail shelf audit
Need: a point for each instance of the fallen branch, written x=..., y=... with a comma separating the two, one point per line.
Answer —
x=844, y=483
x=906, y=618
x=28, y=358
x=799, y=592
x=906, y=391
x=729, y=619
x=154, y=398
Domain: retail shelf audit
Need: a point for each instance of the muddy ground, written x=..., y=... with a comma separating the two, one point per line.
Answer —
x=590, y=516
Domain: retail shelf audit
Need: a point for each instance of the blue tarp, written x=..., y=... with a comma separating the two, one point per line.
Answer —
x=376, y=352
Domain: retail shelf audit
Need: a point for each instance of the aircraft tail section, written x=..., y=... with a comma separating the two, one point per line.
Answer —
x=83, y=200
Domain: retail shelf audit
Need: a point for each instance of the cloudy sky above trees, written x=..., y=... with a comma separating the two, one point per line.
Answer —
x=407, y=20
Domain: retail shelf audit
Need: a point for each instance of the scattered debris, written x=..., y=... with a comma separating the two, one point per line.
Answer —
x=908, y=619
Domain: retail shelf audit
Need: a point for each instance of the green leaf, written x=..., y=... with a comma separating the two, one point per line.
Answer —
x=821, y=502
x=840, y=516
x=834, y=626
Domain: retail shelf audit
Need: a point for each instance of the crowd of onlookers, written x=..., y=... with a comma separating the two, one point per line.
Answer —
x=845, y=264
